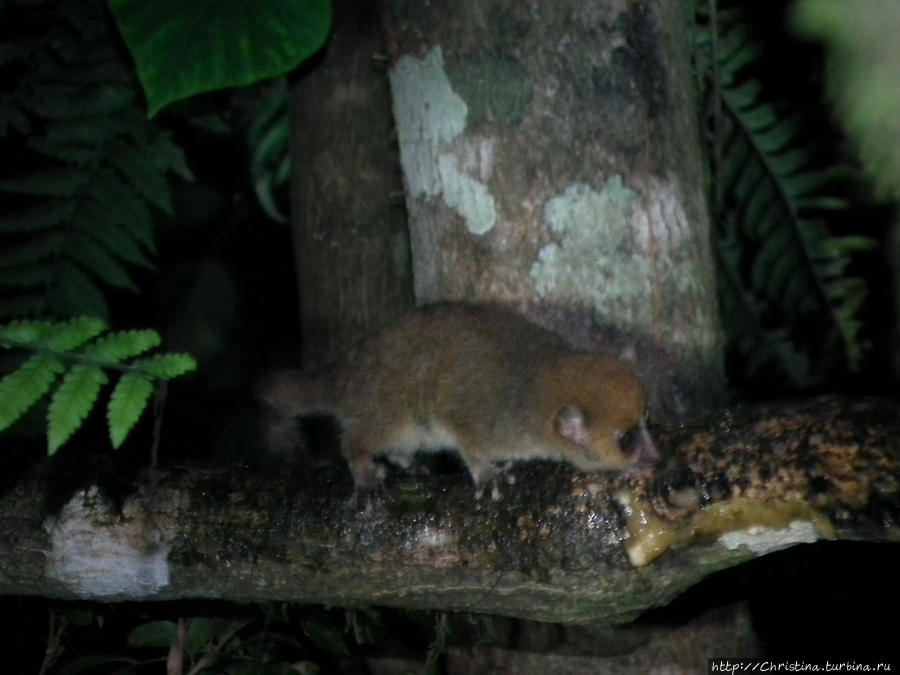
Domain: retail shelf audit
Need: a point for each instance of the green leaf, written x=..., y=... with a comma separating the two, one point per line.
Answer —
x=775, y=139
x=20, y=304
x=126, y=405
x=26, y=332
x=77, y=294
x=780, y=268
x=22, y=388
x=168, y=366
x=153, y=634
x=116, y=347
x=123, y=206
x=185, y=48
x=204, y=630
x=849, y=244
x=326, y=637
x=170, y=157
x=791, y=160
x=103, y=225
x=76, y=155
x=97, y=260
x=143, y=176
x=38, y=217
x=71, y=403
x=80, y=616
x=69, y=335
x=30, y=275
x=745, y=95
x=58, y=182
x=82, y=131
x=38, y=247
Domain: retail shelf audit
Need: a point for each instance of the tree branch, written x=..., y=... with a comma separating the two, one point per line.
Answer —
x=558, y=546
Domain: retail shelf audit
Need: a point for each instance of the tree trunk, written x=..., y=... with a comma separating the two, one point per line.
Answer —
x=552, y=162
x=350, y=237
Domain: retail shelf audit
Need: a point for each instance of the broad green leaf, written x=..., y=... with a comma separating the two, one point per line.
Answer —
x=204, y=630
x=22, y=388
x=126, y=405
x=326, y=637
x=80, y=616
x=168, y=366
x=185, y=48
x=153, y=634
x=71, y=403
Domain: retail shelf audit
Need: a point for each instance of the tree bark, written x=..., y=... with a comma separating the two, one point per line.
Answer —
x=552, y=162
x=556, y=547
x=350, y=238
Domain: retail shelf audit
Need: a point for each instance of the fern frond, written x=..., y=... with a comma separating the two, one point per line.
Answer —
x=53, y=335
x=42, y=216
x=39, y=247
x=27, y=333
x=70, y=335
x=27, y=276
x=98, y=170
x=762, y=350
x=142, y=176
x=76, y=292
x=168, y=366
x=117, y=347
x=168, y=156
x=22, y=388
x=126, y=404
x=20, y=304
x=123, y=207
x=71, y=403
x=782, y=266
x=77, y=133
x=107, y=231
x=81, y=352
x=49, y=182
x=92, y=256
x=268, y=138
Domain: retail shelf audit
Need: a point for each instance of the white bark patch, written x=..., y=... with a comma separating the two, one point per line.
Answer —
x=762, y=540
x=430, y=116
x=610, y=246
x=98, y=555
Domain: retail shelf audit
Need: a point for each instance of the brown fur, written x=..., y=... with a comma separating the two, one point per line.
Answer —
x=481, y=380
